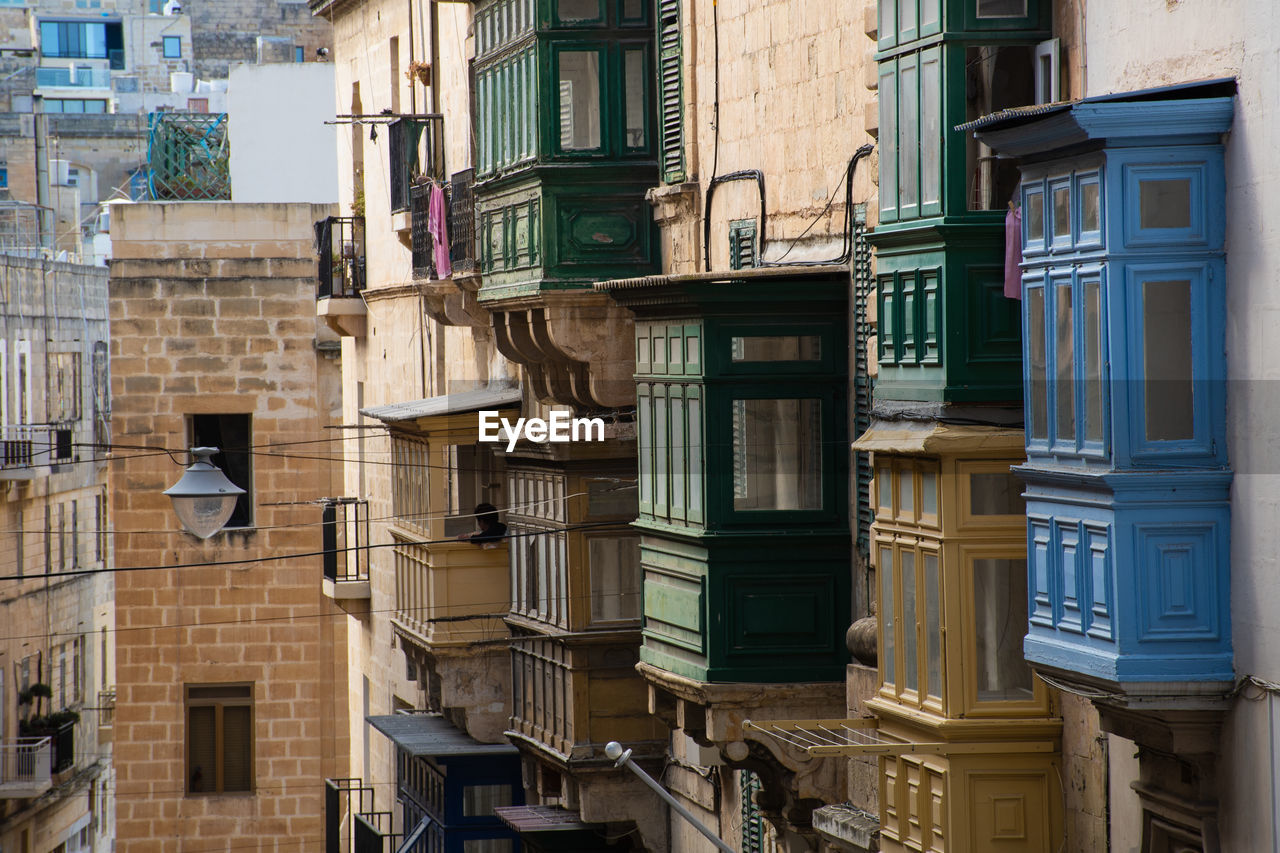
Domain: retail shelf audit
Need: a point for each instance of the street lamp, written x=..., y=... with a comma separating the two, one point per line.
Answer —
x=204, y=498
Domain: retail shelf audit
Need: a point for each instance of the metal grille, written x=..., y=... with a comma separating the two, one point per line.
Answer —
x=752, y=821
x=863, y=290
x=188, y=155
x=344, y=535
x=340, y=243
x=423, y=243
x=462, y=221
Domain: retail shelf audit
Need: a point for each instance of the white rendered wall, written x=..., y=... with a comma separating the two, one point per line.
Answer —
x=1140, y=43
x=281, y=148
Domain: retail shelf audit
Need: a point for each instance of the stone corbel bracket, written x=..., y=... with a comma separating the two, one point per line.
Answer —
x=451, y=305
x=577, y=347
x=793, y=784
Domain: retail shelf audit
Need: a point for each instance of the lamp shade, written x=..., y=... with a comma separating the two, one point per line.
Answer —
x=204, y=498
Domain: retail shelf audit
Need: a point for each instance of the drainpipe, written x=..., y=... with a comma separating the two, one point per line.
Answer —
x=45, y=212
x=621, y=758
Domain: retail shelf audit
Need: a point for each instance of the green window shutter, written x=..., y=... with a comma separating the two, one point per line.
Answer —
x=670, y=103
x=742, y=244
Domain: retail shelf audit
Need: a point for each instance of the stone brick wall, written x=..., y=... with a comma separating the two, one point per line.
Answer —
x=226, y=31
x=213, y=309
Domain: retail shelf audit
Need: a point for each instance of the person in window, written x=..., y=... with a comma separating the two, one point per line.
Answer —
x=491, y=530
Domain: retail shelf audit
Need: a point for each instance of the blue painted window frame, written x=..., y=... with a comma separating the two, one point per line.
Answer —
x=1087, y=239
x=1076, y=445
x=1207, y=391
x=1197, y=232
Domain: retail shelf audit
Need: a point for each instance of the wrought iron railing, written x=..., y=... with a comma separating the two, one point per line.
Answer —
x=460, y=206
x=417, y=152
x=106, y=710
x=28, y=446
x=340, y=241
x=345, y=539
x=188, y=155
x=462, y=221
x=420, y=218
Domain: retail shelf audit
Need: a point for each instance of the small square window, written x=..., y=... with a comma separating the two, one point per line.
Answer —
x=172, y=47
x=1165, y=204
x=219, y=738
x=299, y=55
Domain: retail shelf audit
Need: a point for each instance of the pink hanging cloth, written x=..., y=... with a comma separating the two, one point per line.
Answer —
x=438, y=228
x=1013, y=253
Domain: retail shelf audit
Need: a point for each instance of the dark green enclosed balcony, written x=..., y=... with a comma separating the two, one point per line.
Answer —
x=565, y=143
x=947, y=333
x=741, y=415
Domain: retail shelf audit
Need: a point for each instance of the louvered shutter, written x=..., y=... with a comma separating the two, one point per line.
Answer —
x=202, y=751
x=237, y=748
x=670, y=103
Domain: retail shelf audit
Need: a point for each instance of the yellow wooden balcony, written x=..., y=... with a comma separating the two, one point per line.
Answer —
x=438, y=586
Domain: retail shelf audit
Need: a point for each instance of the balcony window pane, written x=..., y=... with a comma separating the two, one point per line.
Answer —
x=1064, y=366
x=906, y=492
x=577, y=11
x=633, y=62
x=1092, y=362
x=930, y=127
x=887, y=613
x=1039, y=403
x=615, y=578
x=910, y=666
x=1165, y=204
x=932, y=627
x=906, y=14
x=645, y=446
x=1166, y=336
x=1000, y=611
x=1002, y=8
x=996, y=78
x=1035, y=216
x=579, y=84
x=481, y=800
x=694, y=436
x=995, y=494
x=775, y=348
x=1089, y=207
x=929, y=494
x=884, y=489
x=888, y=138
x=908, y=133
x=1062, y=212
x=777, y=454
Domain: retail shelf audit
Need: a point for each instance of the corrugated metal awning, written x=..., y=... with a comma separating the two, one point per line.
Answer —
x=1211, y=88
x=431, y=735
x=726, y=276
x=540, y=819
x=492, y=396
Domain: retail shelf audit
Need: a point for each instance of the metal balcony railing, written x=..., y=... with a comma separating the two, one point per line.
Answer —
x=462, y=221
x=423, y=243
x=26, y=766
x=340, y=241
x=106, y=710
x=417, y=152
x=461, y=213
x=345, y=539
x=75, y=77
x=24, y=448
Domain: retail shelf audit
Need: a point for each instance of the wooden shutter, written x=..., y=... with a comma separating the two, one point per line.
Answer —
x=670, y=103
x=237, y=748
x=201, y=749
